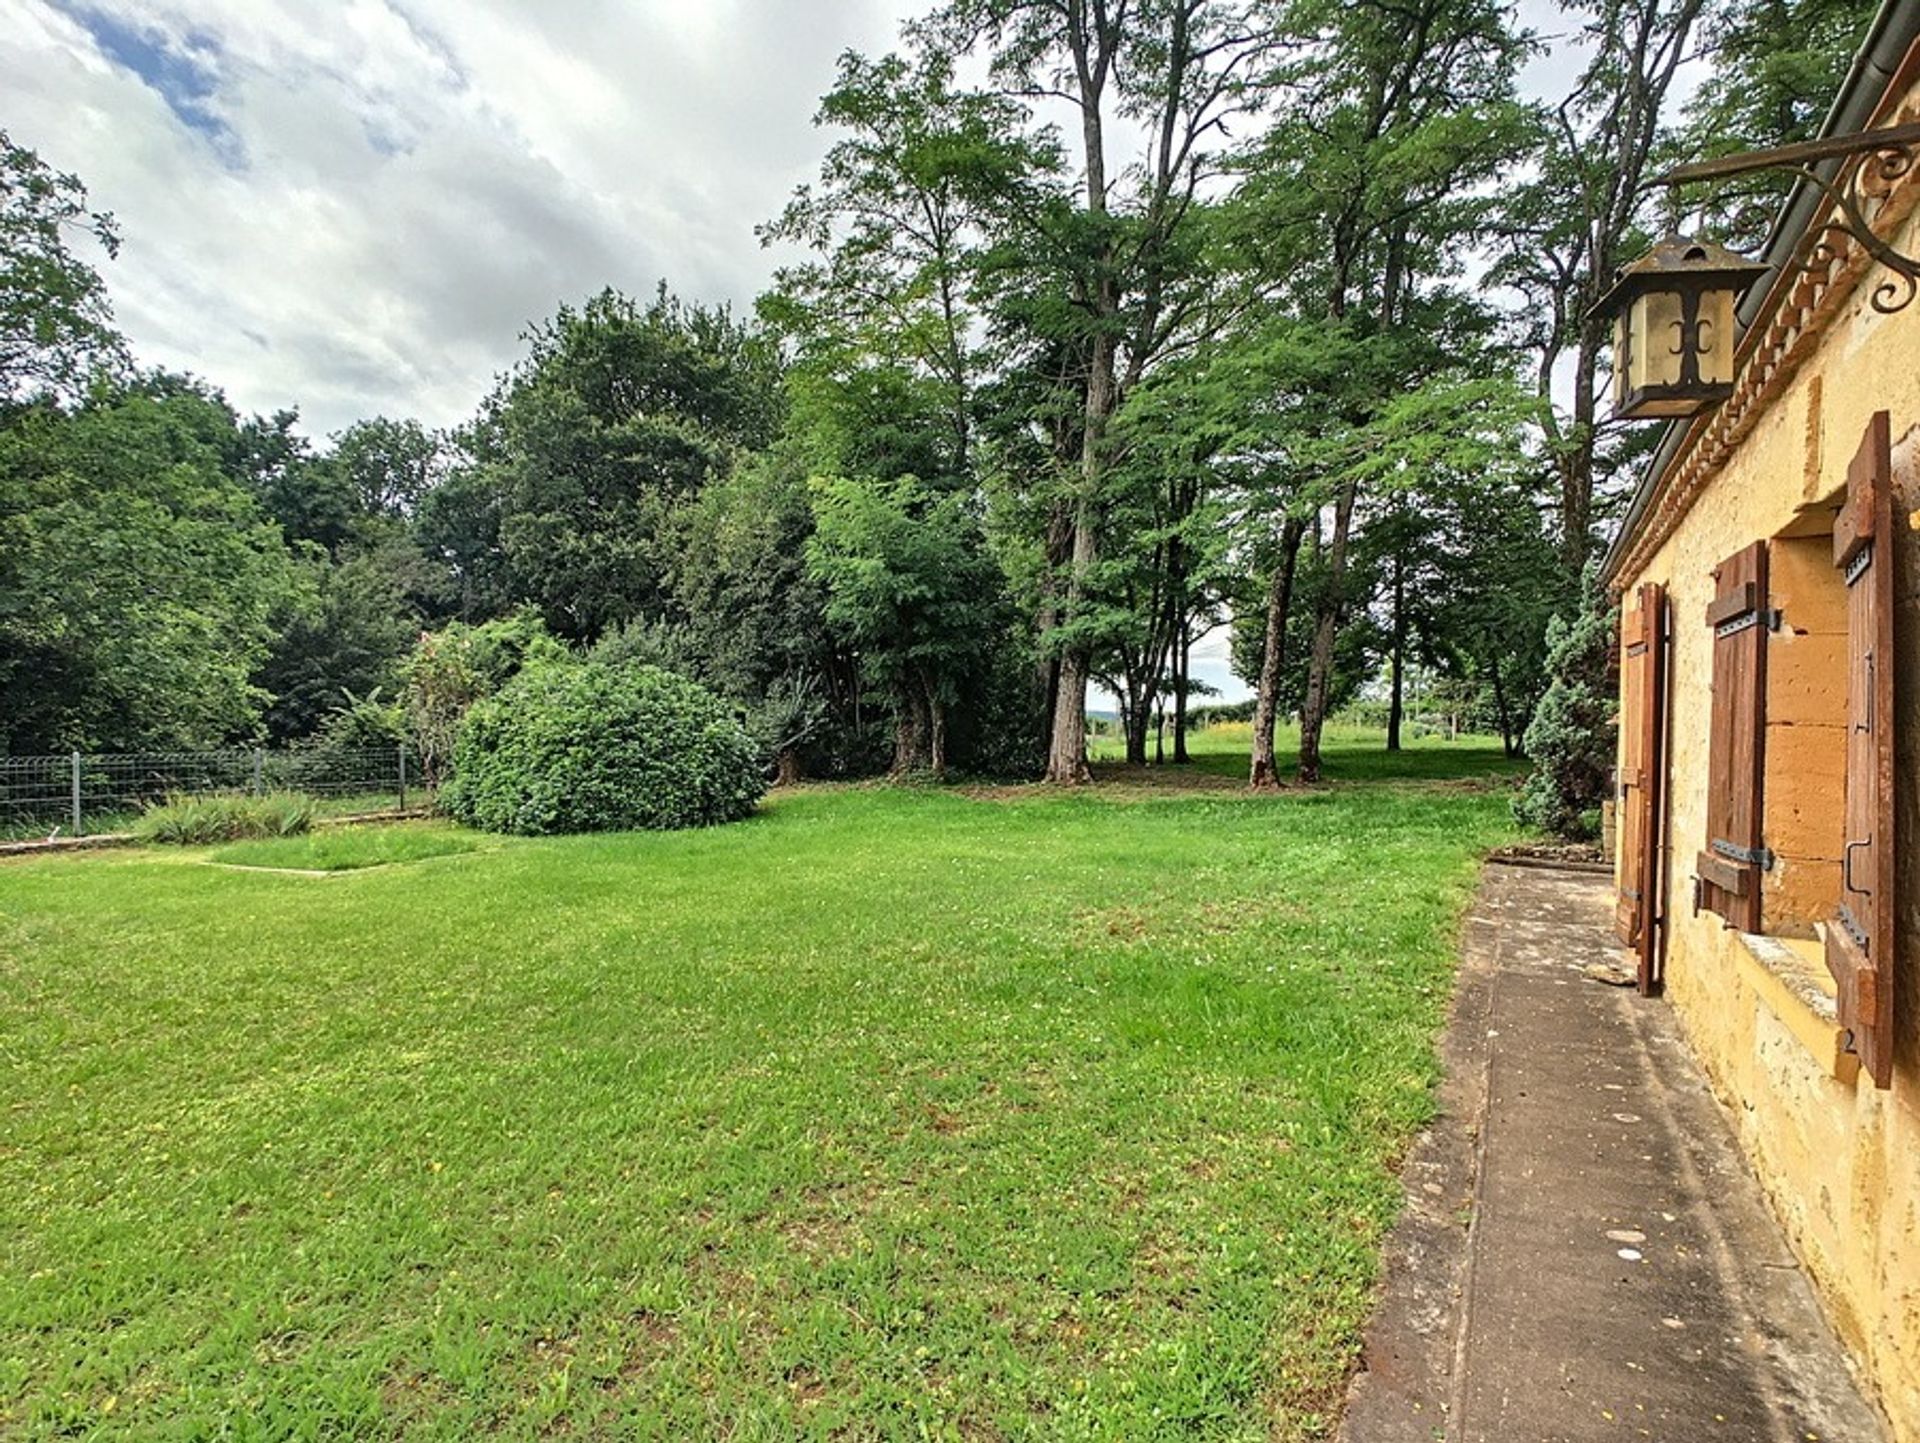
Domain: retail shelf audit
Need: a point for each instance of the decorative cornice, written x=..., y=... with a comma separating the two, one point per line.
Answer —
x=1809, y=294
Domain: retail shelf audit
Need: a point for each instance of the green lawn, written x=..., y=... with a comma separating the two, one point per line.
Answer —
x=885, y=1114
x=346, y=849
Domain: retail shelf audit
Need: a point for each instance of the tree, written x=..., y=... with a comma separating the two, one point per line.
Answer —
x=388, y=466
x=455, y=667
x=895, y=224
x=912, y=590
x=457, y=529
x=1773, y=68
x=56, y=325
x=139, y=582
x=1401, y=115
x=313, y=502
x=1571, y=737
x=619, y=415
x=1116, y=242
x=348, y=638
x=1580, y=217
x=753, y=615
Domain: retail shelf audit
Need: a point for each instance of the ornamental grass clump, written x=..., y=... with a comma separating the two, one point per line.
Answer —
x=592, y=747
x=225, y=817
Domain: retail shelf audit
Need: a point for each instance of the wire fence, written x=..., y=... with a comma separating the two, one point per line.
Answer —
x=86, y=793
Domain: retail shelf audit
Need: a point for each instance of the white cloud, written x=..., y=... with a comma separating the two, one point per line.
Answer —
x=357, y=207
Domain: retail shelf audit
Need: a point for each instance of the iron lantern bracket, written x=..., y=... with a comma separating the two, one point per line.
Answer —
x=1886, y=156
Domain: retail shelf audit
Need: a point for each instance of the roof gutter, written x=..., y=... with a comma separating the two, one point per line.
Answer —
x=1888, y=40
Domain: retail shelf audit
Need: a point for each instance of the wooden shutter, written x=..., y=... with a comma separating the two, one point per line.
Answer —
x=1860, y=937
x=1728, y=871
x=1641, y=914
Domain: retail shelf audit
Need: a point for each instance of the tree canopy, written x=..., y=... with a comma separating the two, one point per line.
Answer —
x=1105, y=325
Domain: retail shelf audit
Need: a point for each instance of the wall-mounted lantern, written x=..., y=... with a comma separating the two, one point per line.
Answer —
x=1674, y=330
x=1673, y=309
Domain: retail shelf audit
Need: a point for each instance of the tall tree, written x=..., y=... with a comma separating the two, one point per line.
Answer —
x=1773, y=69
x=1400, y=115
x=140, y=583
x=913, y=591
x=617, y=417
x=389, y=466
x=1114, y=231
x=56, y=325
x=1578, y=218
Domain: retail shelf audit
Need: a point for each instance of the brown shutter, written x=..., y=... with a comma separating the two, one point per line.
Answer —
x=1641, y=914
x=1730, y=867
x=1860, y=937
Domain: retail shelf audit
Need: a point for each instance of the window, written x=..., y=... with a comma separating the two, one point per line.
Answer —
x=1800, y=819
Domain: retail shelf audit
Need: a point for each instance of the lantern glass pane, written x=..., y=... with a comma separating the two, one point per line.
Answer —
x=1657, y=326
x=1622, y=357
x=1716, y=337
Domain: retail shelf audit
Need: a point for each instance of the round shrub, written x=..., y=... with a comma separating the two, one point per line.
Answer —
x=599, y=748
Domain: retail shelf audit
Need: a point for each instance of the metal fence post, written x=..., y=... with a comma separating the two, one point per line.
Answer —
x=259, y=769
x=76, y=794
x=401, y=753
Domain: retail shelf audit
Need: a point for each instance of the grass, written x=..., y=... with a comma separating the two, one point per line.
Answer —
x=349, y=848
x=225, y=817
x=886, y=1114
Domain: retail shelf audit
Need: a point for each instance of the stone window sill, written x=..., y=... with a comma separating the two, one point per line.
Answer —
x=1789, y=975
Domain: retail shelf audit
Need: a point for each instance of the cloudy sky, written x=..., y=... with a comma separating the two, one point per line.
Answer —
x=354, y=207
x=357, y=207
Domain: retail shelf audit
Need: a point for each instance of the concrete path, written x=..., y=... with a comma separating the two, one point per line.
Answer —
x=1584, y=1253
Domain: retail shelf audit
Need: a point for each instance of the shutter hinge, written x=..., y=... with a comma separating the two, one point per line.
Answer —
x=1771, y=618
x=1862, y=559
x=1756, y=856
x=1852, y=927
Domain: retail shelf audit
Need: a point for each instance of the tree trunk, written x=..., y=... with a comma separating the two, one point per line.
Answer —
x=1067, y=748
x=1059, y=548
x=936, y=733
x=911, y=733
x=786, y=767
x=1182, y=672
x=1500, y=708
x=1067, y=745
x=1575, y=455
x=1273, y=655
x=1139, y=720
x=1326, y=631
x=1397, y=662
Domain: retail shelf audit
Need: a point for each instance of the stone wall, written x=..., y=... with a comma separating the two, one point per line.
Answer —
x=1840, y=1159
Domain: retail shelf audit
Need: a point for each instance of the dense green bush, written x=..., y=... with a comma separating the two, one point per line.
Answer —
x=1571, y=736
x=364, y=723
x=225, y=817
x=588, y=747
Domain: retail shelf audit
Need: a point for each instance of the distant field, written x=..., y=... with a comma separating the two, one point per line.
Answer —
x=1350, y=753
x=888, y=1114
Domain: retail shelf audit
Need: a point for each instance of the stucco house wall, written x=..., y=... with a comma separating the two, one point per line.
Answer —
x=1839, y=1158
